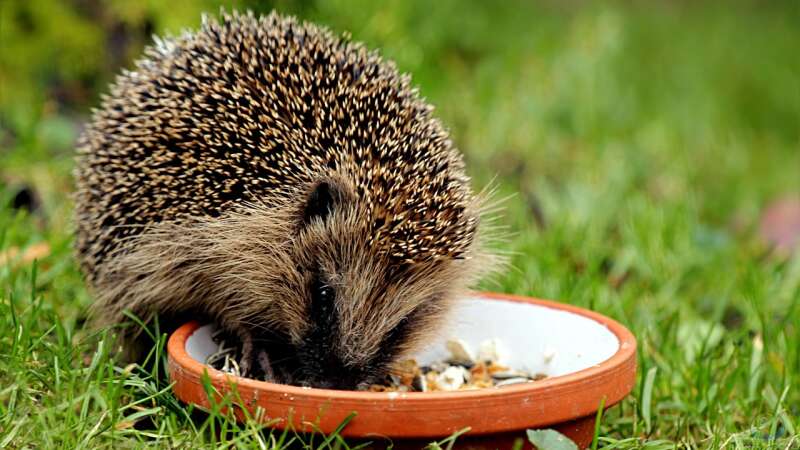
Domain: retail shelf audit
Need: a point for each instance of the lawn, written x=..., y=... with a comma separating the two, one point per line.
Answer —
x=636, y=146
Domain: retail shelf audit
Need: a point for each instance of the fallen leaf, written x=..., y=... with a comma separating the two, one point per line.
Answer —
x=550, y=440
x=780, y=225
x=39, y=250
x=124, y=425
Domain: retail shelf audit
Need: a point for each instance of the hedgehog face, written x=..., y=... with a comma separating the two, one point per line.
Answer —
x=361, y=312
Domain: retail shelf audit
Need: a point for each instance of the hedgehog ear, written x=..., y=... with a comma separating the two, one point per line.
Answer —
x=321, y=202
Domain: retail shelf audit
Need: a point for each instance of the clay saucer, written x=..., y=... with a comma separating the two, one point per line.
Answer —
x=589, y=359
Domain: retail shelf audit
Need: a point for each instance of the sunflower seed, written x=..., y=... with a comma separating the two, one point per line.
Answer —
x=512, y=381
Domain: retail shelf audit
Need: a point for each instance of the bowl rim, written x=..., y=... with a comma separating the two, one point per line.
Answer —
x=625, y=354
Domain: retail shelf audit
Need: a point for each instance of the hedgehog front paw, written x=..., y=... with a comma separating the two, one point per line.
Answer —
x=254, y=363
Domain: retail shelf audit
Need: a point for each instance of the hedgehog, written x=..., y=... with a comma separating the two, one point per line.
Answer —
x=286, y=183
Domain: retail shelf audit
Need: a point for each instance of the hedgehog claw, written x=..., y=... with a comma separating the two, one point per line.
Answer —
x=246, y=362
x=266, y=367
x=253, y=360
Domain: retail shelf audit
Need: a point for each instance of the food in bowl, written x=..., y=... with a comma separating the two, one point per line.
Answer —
x=462, y=370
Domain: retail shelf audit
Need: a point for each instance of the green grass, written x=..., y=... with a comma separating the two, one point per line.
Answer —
x=640, y=144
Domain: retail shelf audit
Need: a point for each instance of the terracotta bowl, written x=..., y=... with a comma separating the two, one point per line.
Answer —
x=590, y=360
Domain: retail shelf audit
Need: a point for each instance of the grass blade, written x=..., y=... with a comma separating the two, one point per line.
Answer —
x=647, y=399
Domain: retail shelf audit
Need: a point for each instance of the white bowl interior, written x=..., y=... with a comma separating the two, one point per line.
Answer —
x=533, y=338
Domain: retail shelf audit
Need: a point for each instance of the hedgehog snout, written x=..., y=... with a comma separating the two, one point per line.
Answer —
x=321, y=367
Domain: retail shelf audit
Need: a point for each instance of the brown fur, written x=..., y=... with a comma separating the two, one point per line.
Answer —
x=198, y=266
x=193, y=176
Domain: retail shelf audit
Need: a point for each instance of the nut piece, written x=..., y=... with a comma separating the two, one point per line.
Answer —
x=509, y=374
x=460, y=353
x=512, y=381
x=452, y=378
x=491, y=350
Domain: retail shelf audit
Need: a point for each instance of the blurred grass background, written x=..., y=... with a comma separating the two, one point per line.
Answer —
x=638, y=141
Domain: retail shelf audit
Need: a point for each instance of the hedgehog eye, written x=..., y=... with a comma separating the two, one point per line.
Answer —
x=325, y=294
x=322, y=294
